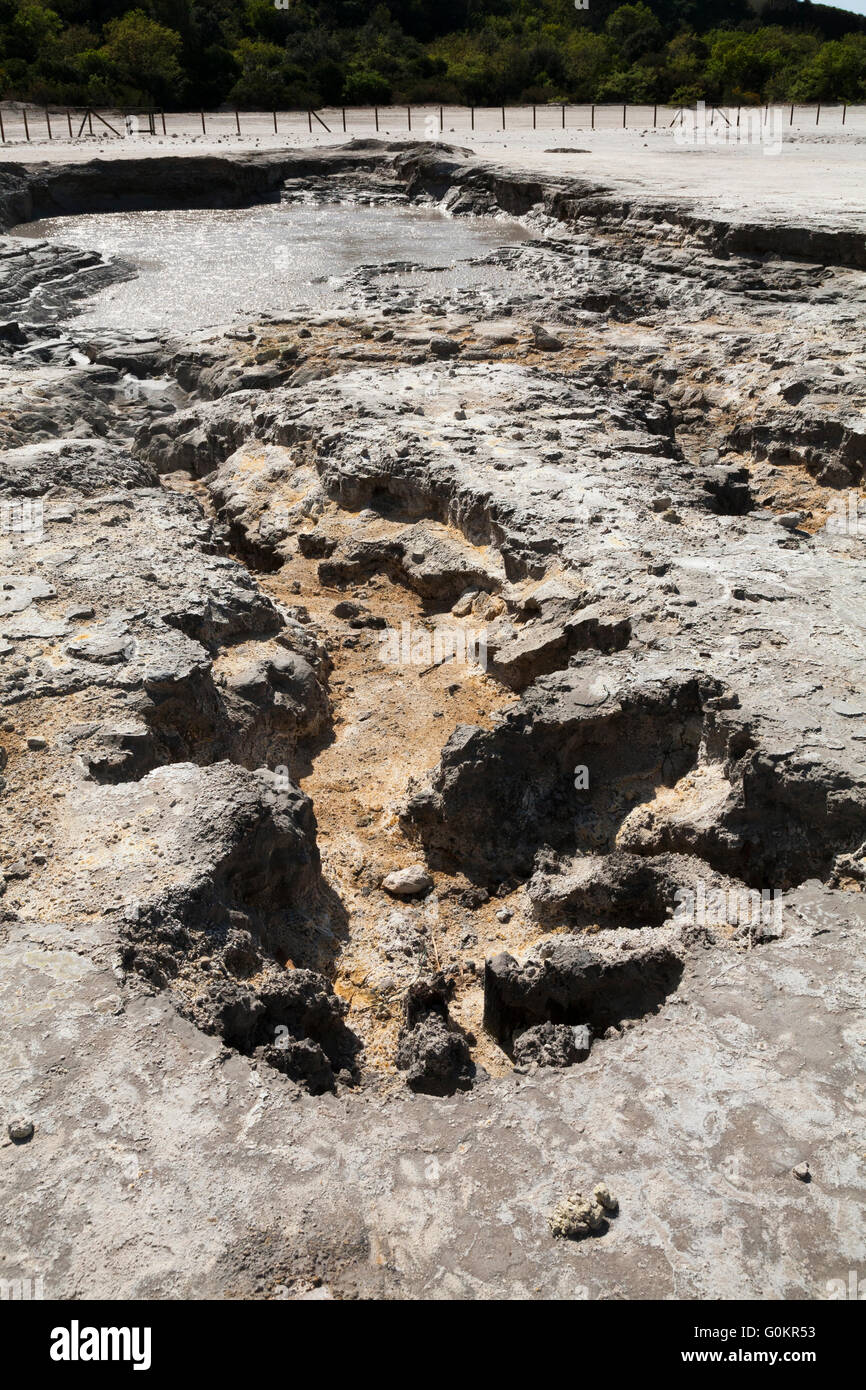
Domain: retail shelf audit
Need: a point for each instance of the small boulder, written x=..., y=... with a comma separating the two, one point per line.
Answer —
x=444, y=347
x=576, y=1216
x=434, y=1054
x=435, y=1057
x=547, y=342
x=605, y=1198
x=405, y=883
x=551, y=1045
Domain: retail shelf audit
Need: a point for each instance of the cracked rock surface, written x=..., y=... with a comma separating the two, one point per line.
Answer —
x=433, y=758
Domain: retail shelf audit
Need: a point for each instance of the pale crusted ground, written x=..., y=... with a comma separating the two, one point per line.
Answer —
x=819, y=173
x=164, y=1166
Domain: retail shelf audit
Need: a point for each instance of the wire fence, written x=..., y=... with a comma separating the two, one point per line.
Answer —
x=37, y=125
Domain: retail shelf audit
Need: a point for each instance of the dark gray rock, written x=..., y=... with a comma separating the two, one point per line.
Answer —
x=551, y=1045
x=573, y=985
x=432, y=1052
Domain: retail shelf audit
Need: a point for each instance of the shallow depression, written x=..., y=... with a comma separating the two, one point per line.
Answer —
x=202, y=267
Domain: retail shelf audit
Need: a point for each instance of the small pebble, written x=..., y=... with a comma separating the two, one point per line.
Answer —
x=404, y=883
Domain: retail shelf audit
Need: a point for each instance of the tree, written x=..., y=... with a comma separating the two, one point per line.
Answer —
x=366, y=85
x=588, y=59
x=33, y=28
x=268, y=80
x=145, y=55
x=763, y=61
x=837, y=72
x=635, y=31
x=254, y=52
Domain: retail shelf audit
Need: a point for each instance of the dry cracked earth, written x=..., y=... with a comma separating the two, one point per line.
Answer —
x=434, y=757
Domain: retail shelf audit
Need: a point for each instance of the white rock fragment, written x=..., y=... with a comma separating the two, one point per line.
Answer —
x=404, y=883
x=575, y=1217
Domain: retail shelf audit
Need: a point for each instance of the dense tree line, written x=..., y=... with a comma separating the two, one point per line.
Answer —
x=299, y=53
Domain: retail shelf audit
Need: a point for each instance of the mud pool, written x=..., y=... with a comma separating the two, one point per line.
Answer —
x=199, y=267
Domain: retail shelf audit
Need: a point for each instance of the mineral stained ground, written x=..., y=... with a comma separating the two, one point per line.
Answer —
x=604, y=504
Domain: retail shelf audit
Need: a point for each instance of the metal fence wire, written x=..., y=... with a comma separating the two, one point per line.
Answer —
x=33, y=124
